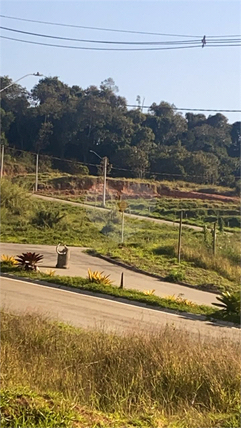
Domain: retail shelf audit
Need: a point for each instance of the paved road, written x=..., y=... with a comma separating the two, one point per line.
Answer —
x=96, y=312
x=136, y=216
x=80, y=262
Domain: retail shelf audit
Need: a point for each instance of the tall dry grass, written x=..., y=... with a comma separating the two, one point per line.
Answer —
x=167, y=371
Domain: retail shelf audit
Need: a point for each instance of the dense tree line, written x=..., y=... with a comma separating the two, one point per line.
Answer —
x=68, y=122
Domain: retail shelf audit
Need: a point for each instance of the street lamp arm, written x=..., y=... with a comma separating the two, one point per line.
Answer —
x=26, y=75
x=92, y=151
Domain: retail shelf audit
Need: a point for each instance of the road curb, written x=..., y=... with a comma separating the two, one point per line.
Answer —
x=194, y=317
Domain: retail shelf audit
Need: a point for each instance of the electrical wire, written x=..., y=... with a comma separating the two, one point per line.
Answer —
x=115, y=49
x=113, y=29
x=99, y=41
x=175, y=108
x=99, y=49
x=97, y=165
x=96, y=28
x=196, y=42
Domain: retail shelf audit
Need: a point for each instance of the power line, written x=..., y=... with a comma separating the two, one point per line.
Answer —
x=100, y=41
x=98, y=49
x=115, y=49
x=178, y=42
x=150, y=173
x=187, y=109
x=96, y=28
x=113, y=29
x=173, y=108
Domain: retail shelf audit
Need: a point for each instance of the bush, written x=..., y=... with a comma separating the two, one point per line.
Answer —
x=175, y=275
x=29, y=260
x=99, y=278
x=47, y=218
x=230, y=304
x=14, y=198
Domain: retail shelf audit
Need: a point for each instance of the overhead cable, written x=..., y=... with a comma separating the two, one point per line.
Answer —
x=114, y=29
x=119, y=49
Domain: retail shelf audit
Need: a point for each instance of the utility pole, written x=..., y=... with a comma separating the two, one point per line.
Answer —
x=104, y=184
x=2, y=159
x=105, y=159
x=180, y=237
x=36, y=173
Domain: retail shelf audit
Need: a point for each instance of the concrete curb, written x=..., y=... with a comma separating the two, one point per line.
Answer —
x=194, y=317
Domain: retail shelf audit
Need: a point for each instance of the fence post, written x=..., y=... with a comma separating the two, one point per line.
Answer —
x=2, y=159
x=122, y=280
x=214, y=238
x=122, y=228
x=180, y=237
x=36, y=173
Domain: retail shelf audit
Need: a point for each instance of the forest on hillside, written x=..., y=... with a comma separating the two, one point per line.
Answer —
x=69, y=122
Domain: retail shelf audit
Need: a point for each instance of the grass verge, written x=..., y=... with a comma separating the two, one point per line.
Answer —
x=81, y=378
x=176, y=304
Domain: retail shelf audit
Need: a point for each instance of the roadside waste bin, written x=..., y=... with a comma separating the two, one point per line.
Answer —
x=62, y=257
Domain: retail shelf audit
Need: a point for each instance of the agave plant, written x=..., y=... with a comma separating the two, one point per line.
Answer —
x=230, y=303
x=29, y=260
x=9, y=260
x=99, y=278
x=149, y=292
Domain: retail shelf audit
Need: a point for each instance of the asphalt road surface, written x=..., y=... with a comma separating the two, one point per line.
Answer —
x=80, y=262
x=95, y=312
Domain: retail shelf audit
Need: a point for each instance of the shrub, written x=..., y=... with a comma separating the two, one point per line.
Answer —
x=14, y=198
x=99, y=278
x=175, y=275
x=230, y=304
x=8, y=260
x=45, y=218
x=29, y=260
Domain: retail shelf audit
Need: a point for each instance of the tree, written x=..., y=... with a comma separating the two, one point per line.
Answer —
x=234, y=148
x=44, y=133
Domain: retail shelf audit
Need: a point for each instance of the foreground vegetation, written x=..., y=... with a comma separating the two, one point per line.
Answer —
x=147, y=246
x=91, y=378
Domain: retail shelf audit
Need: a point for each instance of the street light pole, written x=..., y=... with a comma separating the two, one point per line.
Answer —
x=105, y=174
x=26, y=75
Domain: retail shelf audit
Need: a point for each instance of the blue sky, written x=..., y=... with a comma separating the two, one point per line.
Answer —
x=207, y=78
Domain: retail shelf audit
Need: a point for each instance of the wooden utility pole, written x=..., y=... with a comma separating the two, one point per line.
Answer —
x=180, y=237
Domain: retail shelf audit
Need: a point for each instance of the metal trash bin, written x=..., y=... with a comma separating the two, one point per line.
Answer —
x=62, y=257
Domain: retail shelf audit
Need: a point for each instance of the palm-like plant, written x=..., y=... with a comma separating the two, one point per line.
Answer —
x=29, y=260
x=230, y=303
x=99, y=278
